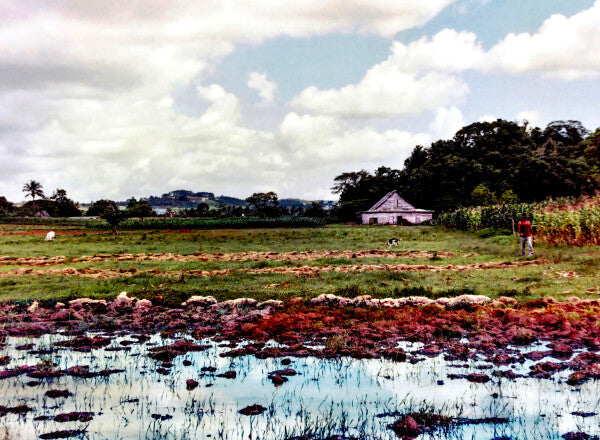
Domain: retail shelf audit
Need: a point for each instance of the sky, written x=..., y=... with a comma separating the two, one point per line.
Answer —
x=113, y=99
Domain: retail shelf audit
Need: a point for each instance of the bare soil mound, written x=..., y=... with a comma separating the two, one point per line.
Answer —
x=227, y=257
x=309, y=271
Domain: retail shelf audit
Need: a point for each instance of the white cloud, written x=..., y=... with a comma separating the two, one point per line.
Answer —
x=86, y=91
x=264, y=87
x=415, y=77
x=384, y=94
x=446, y=123
x=566, y=48
x=424, y=74
x=325, y=146
x=487, y=118
x=531, y=116
x=446, y=51
x=320, y=141
x=124, y=43
x=154, y=149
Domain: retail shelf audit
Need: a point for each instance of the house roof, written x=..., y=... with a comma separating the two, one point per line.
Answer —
x=393, y=211
x=401, y=205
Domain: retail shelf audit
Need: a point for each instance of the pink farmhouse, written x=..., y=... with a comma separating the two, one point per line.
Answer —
x=394, y=210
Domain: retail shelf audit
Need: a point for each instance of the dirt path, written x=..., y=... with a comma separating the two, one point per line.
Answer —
x=310, y=271
x=241, y=256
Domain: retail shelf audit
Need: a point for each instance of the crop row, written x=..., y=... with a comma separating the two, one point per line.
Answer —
x=566, y=221
x=202, y=223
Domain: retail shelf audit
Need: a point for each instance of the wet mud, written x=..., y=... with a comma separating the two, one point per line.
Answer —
x=469, y=343
x=329, y=326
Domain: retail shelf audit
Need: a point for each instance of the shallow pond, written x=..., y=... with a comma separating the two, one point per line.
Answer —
x=326, y=397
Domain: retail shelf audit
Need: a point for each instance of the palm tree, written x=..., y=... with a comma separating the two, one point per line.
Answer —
x=33, y=189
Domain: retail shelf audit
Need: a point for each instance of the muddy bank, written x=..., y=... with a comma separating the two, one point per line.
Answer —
x=460, y=329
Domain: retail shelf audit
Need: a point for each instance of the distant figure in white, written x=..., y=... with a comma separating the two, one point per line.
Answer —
x=50, y=236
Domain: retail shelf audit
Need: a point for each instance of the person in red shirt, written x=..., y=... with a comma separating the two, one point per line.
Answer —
x=526, y=232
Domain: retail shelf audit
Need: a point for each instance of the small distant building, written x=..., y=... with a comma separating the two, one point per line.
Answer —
x=42, y=214
x=394, y=210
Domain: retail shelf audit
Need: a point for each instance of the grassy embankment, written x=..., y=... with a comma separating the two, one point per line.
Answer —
x=566, y=271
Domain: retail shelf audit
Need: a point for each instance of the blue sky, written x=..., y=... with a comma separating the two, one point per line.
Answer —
x=115, y=101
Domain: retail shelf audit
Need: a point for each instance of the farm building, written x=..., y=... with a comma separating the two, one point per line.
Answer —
x=394, y=210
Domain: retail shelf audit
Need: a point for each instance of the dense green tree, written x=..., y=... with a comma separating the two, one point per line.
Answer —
x=483, y=160
x=139, y=208
x=264, y=204
x=591, y=153
x=114, y=217
x=315, y=210
x=64, y=206
x=101, y=206
x=356, y=193
x=569, y=133
x=202, y=209
x=482, y=195
x=508, y=197
x=6, y=207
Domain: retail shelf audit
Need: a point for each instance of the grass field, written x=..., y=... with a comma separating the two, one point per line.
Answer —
x=448, y=268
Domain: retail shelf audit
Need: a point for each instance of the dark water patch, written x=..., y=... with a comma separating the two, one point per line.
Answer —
x=75, y=416
x=69, y=433
x=252, y=410
x=20, y=409
x=55, y=394
x=161, y=417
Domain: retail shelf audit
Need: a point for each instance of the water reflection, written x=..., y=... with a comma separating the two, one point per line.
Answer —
x=149, y=400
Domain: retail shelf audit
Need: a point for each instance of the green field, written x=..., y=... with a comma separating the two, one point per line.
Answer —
x=560, y=272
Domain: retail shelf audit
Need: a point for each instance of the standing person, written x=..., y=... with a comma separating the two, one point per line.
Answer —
x=526, y=233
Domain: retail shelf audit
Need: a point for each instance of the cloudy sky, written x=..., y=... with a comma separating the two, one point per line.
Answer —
x=112, y=99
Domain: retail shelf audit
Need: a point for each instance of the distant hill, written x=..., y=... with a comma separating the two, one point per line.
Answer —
x=231, y=201
x=183, y=198
x=288, y=203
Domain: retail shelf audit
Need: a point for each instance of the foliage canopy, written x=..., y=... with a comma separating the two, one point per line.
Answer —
x=484, y=163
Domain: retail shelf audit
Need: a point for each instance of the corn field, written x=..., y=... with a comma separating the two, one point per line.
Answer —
x=574, y=222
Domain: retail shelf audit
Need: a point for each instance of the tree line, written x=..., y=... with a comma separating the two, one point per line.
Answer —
x=485, y=163
x=56, y=205
x=263, y=205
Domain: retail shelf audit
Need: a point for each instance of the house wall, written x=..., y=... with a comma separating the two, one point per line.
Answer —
x=390, y=218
